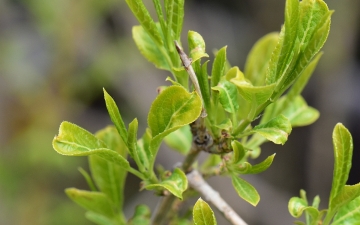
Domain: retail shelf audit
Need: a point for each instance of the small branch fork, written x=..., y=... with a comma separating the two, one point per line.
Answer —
x=202, y=141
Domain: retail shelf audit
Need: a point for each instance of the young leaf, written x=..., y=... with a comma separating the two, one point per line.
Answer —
x=343, y=148
x=99, y=219
x=203, y=79
x=109, y=177
x=143, y=147
x=196, y=46
x=177, y=183
x=141, y=216
x=227, y=96
x=247, y=168
x=76, y=141
x=348, y=193
x=149, y=49
x=88, y=179
x=218, y=68
x=348, y=214
x=245, y=190
x=238, y=151
x=299, y=113
x=115, y=116
x=203, y=214
x=141, y=160
x=276, y=130
x=143, y=16
x=175, y=16
x=172, y=109
x=180, y=140
x=297, y=206
x=93, y=201
x=258, y=59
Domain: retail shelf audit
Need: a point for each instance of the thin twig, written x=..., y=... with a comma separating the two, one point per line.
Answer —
x=186, y=61
x=197, y=182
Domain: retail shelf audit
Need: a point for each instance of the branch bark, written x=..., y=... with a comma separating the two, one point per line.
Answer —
x=197, y=182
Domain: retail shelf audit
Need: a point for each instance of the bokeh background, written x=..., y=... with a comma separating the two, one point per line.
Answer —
x=55, y=57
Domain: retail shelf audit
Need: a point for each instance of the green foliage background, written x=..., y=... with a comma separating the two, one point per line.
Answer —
x=55, y=57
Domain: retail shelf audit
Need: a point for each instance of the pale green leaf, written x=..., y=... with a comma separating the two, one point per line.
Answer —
x=247, y=168
x=196, y=46
x=115, y=116
x=258, y=59
x=349, y=214
x=175, y=16
x=297, y=206
x=238, y=151
x=149, y=49
x=245, y=190
x=143, y=148
x=343, y=149
x=173, y=108
x=347, y=194
x=180, y=140
x=99, y=219
x=299, y=113
x=276, y=130
x=227, y=96
x=96, y=202
x=88, y=179
x=203, y=79
x=76, y=141
x=143, y=16
x=203, y=214
x=177, y=183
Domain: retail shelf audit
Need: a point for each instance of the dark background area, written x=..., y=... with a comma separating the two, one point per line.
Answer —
x=55, y=57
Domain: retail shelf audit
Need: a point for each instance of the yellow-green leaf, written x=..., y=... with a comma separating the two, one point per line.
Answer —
x=203, y=214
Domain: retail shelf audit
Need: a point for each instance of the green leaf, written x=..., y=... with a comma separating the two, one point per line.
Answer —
x=141, y=216
x=203, y=214
x=203, y=79
x=299, y=113
x=172, y=109
x=177, y=183
x=93, y=201
x=254, y=94
x=140, y=159
x=343, y=148
x=109, y=177
x=175, y=16
x=245, y=190
x=297, y=206
x=348, y=193
x=218, y=68
x=115, y=116
x=258, y=59
x=349, y=214
x=238, y=151
x=88, y=179
x=196, y=46
x=143, y=16
x=227, y=96
x=76, y=141
x=143, y=148
x=247, y=168
x=180, y=140
x=276, y=130
x=149, y=49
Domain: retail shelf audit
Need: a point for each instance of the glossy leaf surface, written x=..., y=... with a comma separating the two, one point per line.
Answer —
x=203, y=214
x=245, y=190
x=76, y=141
x=177, y=183
x=276, y=130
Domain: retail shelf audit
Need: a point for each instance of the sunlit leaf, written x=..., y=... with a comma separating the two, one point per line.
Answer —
x=76, y=141
x=299, y=113
x=203, y=214
x=238, y=151
x=247, y=168
x=298, y=206
x=177, y=183
x=218, y=68
x=276, y=130
x=349, y=214
x=172, y=109
x=347, y=194
x=196, y=46
x=245, y=190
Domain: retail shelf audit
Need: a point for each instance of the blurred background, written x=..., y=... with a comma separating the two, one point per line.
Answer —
x=55, y=57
